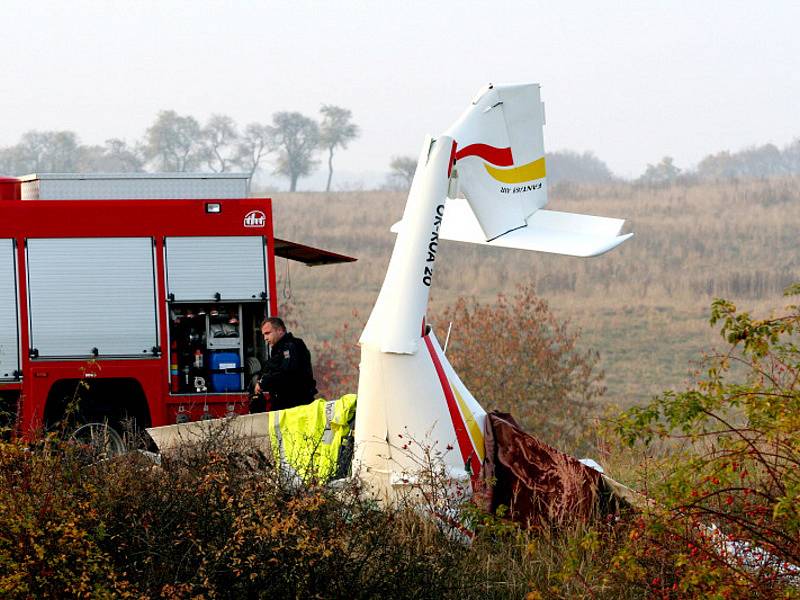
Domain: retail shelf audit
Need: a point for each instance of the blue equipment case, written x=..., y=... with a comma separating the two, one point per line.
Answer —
x=225, y=382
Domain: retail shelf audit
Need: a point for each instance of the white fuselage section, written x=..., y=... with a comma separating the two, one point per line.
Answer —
x=412, y=406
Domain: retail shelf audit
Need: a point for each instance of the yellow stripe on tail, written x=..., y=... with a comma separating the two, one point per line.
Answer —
x=472, y=425
x=531, y=171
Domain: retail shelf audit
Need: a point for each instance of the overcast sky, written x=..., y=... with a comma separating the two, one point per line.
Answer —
x=631, y=81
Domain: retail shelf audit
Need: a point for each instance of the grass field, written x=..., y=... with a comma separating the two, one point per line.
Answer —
x=644, y=306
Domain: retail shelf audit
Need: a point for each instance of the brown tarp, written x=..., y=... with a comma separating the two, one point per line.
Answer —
x=540, y=486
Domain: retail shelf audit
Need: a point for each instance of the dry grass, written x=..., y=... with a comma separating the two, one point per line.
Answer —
x=217, y=520
x=644, y=306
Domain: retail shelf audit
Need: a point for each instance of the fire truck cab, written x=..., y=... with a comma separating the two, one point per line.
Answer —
x=134, y=297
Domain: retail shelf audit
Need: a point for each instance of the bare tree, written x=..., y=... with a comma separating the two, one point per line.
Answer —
x=336, y=130
x=663, y=173
x=576, y=167
x=60, y=151
x=296, y=138
x=13, y=161
x=92, y=159
x=8, y=165
x=173, y=142
x=717, y=166
x=402, y=172
x=118, y=156
x=256, y=142
x=756, y=161
x=220, y=143
x=42, y=151
x=791, y=157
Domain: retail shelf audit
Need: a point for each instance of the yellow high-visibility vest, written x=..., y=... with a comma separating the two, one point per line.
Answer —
x=314, y=441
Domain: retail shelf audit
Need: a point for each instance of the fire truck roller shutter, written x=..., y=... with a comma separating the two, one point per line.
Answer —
x=9, y=315
x=87, y=293
x=199, y=268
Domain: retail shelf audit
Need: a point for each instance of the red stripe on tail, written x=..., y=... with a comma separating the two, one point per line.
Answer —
x=500, y=157
x=468, y=453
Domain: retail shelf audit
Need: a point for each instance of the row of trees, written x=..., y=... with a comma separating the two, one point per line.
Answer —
x=753, y=162
x=566, y=165
x=181, y=143
x=293, y=142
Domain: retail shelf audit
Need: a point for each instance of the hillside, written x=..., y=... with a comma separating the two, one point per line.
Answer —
x=644, y=306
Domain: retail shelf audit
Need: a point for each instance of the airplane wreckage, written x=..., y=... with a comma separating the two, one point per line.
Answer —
x=409, y=396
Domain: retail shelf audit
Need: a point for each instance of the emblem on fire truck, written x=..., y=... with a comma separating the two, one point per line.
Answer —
x=255, y=218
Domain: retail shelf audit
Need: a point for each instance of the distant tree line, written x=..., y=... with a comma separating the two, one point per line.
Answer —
x=569, y=166
x=564, y=165
x=752, y=162
x=181, y=143
x=292, y=143
x=756, y=161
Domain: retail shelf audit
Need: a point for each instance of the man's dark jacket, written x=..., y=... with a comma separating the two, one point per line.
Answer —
x=287, y=374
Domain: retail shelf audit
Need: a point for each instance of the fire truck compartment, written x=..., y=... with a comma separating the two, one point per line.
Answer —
x=92, y=297
x=9, y=313
x=231, y=268
x=214, y=347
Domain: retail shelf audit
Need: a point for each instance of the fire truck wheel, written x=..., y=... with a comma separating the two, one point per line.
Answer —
x=100, y=439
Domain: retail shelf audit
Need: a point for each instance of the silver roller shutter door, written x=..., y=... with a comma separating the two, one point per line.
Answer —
x=9, y=314
x=198, y=268
x=92, y=293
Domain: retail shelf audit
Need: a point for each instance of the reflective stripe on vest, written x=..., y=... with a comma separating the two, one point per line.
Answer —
x=313, y=441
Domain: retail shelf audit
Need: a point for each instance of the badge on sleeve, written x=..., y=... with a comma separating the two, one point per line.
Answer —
x=285, y=354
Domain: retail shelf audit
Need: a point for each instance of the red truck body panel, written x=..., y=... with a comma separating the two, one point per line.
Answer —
x=21, y=220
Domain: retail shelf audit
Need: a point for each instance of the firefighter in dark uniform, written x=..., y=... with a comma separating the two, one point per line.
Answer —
x=286, y=379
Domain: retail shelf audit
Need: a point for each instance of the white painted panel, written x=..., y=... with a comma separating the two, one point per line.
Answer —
x=198, y=268
x=87, y=293
x=9, y=312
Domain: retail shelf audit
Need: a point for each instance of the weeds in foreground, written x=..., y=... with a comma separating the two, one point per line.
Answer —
x=727, y=523
x=217, y=520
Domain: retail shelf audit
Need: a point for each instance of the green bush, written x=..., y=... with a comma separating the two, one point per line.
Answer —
x=724, y=467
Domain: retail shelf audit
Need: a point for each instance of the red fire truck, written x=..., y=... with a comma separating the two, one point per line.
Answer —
x=136, y=297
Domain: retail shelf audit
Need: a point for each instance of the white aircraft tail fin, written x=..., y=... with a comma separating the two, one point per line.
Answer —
x=546, y=231
x=500, y=157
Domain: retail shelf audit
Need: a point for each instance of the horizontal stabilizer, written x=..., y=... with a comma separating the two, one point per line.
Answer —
x=546, y=231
